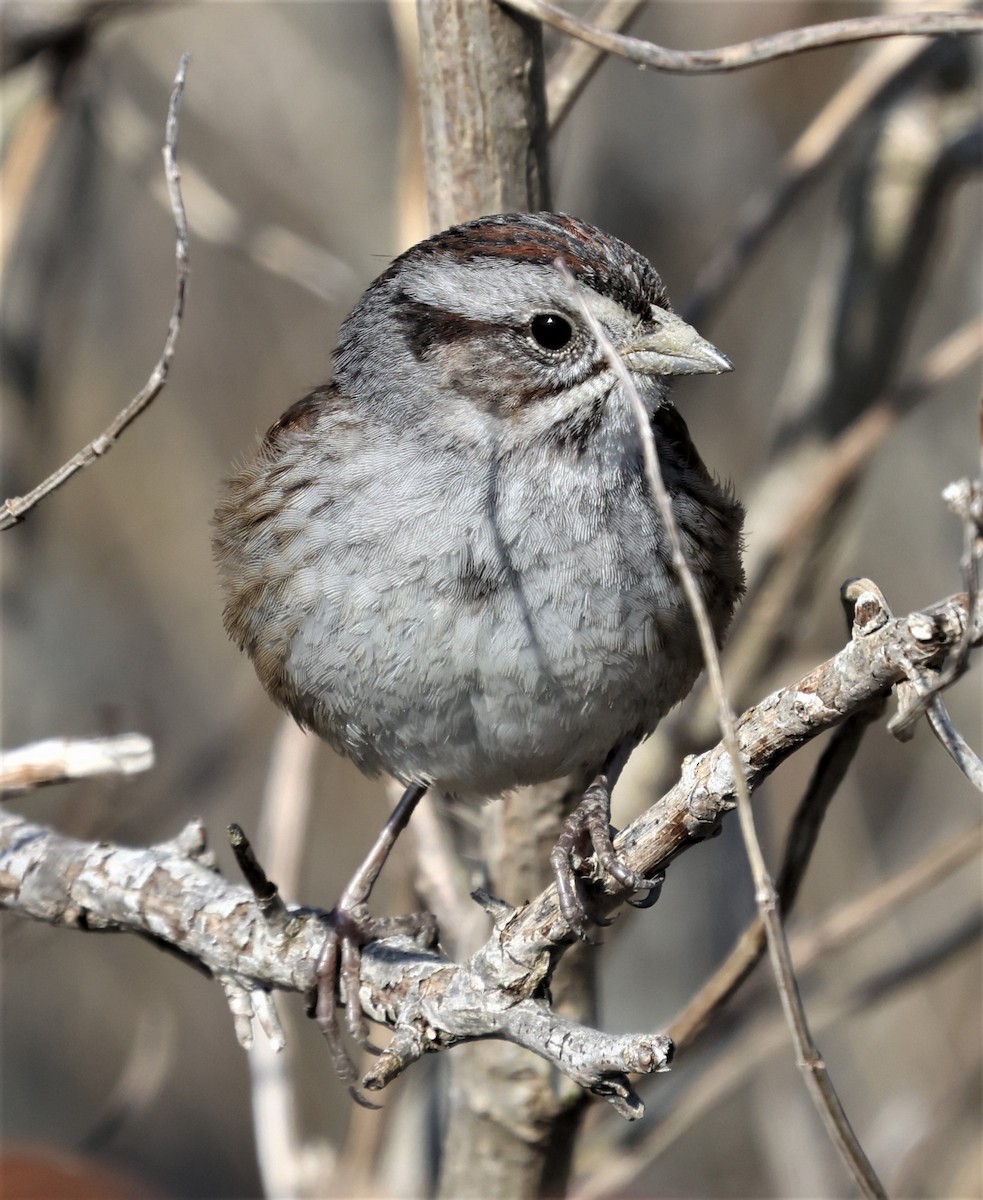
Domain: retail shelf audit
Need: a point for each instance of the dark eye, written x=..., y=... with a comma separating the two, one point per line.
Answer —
x=550, y=330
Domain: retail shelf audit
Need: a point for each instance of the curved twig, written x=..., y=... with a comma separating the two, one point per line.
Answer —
x=757, y=50
x=16, y=508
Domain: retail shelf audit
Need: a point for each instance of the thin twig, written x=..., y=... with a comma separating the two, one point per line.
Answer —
x=757, y=50
x=959, y=750
x=268, y=898
x=573, y=65
x=14, y=509
x=816, y=1075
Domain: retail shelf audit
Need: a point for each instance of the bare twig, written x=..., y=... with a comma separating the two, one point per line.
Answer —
x=573, y=65
x=17, y=507
x=56, y=760
x=961, y=753
x=757, y=50
x=816, y=1075
x=263, y=888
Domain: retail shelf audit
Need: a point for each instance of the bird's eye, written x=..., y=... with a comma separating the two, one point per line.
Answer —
x=550, y=330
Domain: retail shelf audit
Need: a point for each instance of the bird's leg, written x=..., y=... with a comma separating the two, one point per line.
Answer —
x=352, y=927
x=587, y=831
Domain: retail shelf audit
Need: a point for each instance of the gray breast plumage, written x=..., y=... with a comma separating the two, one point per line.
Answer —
x=472, y=620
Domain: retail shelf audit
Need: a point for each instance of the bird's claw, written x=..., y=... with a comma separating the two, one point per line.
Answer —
x=338, y=978
x=588, y=828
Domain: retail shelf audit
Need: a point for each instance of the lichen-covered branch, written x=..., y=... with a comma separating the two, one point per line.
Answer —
x=172, y=892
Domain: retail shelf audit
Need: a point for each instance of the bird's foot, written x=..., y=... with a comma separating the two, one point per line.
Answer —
x=339, y=977
x=586, y=833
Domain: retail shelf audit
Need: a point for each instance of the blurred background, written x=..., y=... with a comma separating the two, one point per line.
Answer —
x=296, y=145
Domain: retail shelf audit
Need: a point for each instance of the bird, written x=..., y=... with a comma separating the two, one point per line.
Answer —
x=447, y=561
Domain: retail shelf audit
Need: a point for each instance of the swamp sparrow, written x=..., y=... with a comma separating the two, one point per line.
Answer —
x=447, y=562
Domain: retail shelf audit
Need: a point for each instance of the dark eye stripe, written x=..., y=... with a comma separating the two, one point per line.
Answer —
x=425, y=325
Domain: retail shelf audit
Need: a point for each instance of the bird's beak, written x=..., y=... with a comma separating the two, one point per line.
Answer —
x=673, y=348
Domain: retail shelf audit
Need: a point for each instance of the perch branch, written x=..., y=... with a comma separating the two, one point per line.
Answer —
x=172, y=893
x=15, y=508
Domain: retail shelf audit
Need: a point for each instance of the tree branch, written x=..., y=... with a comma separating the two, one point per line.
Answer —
x=172, y=892
x=757, y=50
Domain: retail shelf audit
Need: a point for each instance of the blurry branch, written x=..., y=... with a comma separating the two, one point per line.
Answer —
x=852, y=450
x=15, y=508
x=573, y=65
x=60, y=30
x=763, y=1037
x=56, y=760
x=787, y=552
x=141, y=1080
x=757, y=50
x=172, y=893
x=411, y=224
x=442, y=878
x=817, y=1077
x=880, y=73
x=30, y=134
x=802, y=838
x=841, y=399
x=213, y=217
x=858, y=917
x=289, y=1164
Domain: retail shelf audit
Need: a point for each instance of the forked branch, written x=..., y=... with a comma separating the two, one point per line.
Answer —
x=172, y=893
